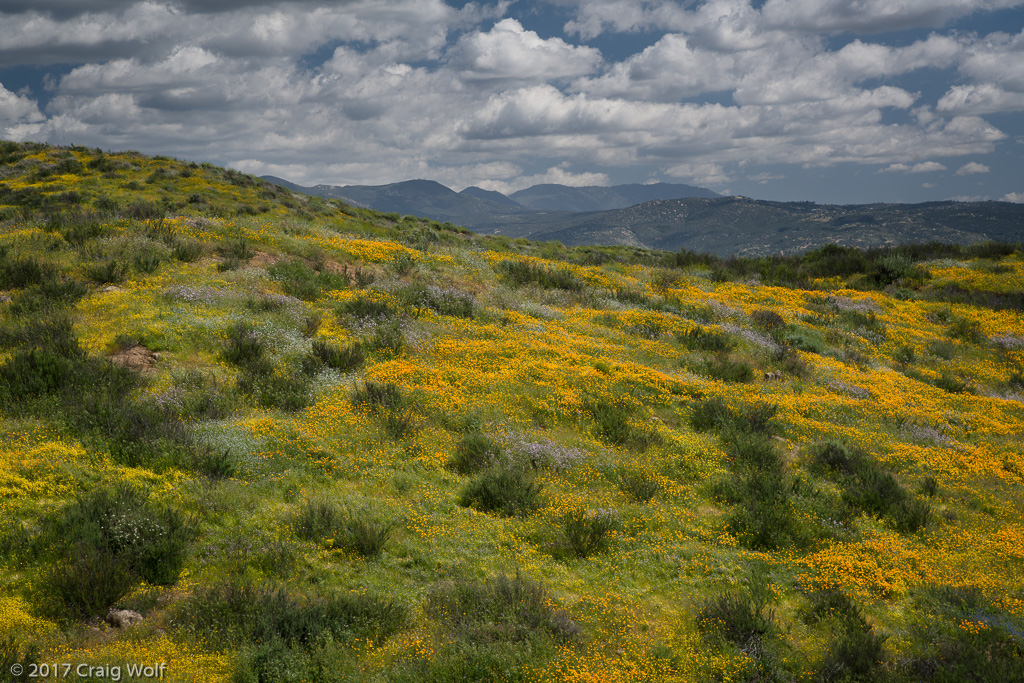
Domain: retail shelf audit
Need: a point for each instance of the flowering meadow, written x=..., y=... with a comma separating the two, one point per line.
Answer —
x=311, y=442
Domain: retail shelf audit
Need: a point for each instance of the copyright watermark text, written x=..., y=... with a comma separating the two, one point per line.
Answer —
x=106, y=671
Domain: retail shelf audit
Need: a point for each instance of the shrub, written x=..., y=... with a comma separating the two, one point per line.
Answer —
x=388, y=338
x=615, y=426
x=474, y=453
x=905, y=355
x=147, y=261
x=764, y=519
x=112, y=271
x=231, y=612
x=523, y=272
x=506, y=491
x=500, y=610
x=247, y=348
x=299, y=280
x=700, y=338
x=379, y=398
x=363, y=307
x=365, y=536
x=767, y=320
x=446, y=301
x=854, y=654
x=48, y=296
x=639, y=485
x=587, y=532
x=316, y=520
x=728, y=370
x=967, y=330
x=105, y=542
x=715, y=414
x=942, y=349
x=953, y=385
x=752, y=450
x=738, y=618
x=21, y=272
x=187, y=250
x=342, y=358
x=237, y=249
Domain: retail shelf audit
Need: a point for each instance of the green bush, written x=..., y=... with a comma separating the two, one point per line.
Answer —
x=107, y=541
x=506, y=491
x=765, y=519
x=586, y=532
x=639, y=485
x=21, y=272
x=728, y=370
x=614, y=425
x=388, y=338
x=299, y=280
x=443, y=300
x=235, y=612
x=363, y=307
x=767, y=320
x=715, y=414
x=246, y=348
x=187, y=250
x=112, y=271
x=523, y=272
x=341, y=358
x=738, y=618
x=379, y=398
x=500, y=610
x=474, y=453
x=700, y=338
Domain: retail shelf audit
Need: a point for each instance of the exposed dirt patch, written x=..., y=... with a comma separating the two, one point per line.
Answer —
x=135, y=358
x=263, y=260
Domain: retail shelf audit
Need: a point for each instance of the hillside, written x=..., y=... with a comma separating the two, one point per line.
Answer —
x=306, y=441
x=752, y=227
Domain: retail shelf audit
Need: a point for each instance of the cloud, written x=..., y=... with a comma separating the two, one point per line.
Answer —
x=971, y=168
x=872, y=16
x=366, y=92
x=923, y=167
x=1015, y=197
x=510, y=52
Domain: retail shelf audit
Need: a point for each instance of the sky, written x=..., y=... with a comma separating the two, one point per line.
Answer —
x=837, y=101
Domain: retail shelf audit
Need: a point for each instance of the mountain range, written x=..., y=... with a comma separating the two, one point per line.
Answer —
x=674, y=216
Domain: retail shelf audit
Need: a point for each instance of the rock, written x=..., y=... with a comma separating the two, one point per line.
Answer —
x=772, y=376
x=123, y=618
x=110, y=288
x=4, y=298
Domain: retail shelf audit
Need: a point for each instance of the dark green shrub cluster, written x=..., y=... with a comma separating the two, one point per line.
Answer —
x=764, y=516
x=614, y=423
x=583, y=533
x=500, y=610
x=105, y=543
x=324, y=354
x=357, y=532
x=715, y=414
x=500, y=629
x=18, y=271
x=388, y=403
x=364, y=307
x=474, y=453
x=247, y=348
x=728, y=370
x=508, y=491
x=867, y=487
x=943, y=651
x=11, y=653
x=738, y=618
x=767, y=320
x=703, y=339
x=523, y=273
x=443, y=300
x=299, y=280
x=234, y=613
x=639, y=485
x=112, y=271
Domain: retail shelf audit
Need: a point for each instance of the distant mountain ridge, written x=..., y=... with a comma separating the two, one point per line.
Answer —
x=478, y=208
x=715, y=224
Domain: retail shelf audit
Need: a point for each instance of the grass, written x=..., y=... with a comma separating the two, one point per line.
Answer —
x=367, y=440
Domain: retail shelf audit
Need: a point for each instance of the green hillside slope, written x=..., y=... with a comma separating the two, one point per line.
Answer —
x=307, y=442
